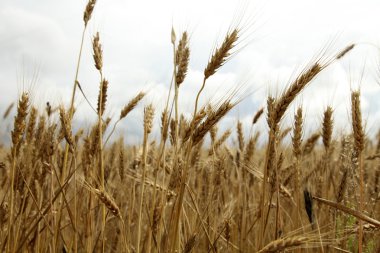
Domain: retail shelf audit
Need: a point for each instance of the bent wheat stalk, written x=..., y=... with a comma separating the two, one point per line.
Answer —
x=361, y=216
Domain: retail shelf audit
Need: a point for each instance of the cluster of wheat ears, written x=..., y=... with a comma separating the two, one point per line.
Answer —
x=62, y=191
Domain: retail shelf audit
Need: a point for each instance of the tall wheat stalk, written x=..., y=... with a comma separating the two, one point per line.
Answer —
x=297, y=153
x=17, y=139
x=276, y=110
x=358, y=149
x=219, y=57
x=86, y=18
x=148, y=119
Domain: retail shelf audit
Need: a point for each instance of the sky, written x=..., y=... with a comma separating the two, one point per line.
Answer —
x=39, y=46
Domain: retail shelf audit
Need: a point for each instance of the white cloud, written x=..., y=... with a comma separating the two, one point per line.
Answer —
x=138, y=53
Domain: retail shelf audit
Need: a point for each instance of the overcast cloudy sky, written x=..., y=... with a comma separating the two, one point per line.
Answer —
x=41, y=38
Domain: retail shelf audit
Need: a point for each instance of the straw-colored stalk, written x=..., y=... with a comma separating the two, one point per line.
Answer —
x=358, y=148
x=276, y=110
x=296, y=143
x=360, y=215
x=196, y=137
x=219, y=57
x=98, y=59
x=148, y=120
x=111, y=205
x=66, y=126
x=86, y=18
x=17, y=139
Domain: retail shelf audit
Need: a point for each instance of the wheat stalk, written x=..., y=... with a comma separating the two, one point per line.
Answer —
x=358, y=148
x=17, y=138
x=148, y=119
x=360, y=215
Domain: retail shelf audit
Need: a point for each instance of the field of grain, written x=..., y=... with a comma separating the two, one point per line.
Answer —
x=87, y=191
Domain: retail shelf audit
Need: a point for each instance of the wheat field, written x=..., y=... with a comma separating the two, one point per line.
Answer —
x=85, y=190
